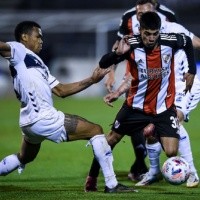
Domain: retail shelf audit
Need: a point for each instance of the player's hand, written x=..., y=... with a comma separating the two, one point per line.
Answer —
x=99, y=73
x=123, y=46
x=109, y=98
x=110, y=81
x=115, y=45
x=189, y=78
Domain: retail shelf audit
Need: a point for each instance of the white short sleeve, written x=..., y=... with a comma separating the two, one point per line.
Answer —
x=52, y=81
x=170, y=27
x=18, y=53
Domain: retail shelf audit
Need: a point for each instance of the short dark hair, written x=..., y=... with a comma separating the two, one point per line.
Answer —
x=24, y=27
x=150, y=20
x=142, y=2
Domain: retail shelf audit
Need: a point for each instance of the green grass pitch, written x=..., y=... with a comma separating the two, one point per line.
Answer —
x=59, y=171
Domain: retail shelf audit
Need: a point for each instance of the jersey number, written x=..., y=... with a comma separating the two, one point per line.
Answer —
x=174, y=121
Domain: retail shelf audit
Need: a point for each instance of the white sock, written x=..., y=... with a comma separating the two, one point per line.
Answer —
x=185, y=148
x=9, y=164
x=153, y=151
x=103, y=154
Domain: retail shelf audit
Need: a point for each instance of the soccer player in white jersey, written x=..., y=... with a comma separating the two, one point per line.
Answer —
x=39, y=119
x=184, y=103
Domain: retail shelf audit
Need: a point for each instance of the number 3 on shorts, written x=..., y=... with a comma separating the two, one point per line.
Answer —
x=174, y=121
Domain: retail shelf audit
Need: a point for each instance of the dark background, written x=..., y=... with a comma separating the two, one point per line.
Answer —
x=69, y=38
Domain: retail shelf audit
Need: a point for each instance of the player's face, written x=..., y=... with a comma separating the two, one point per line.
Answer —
x=149, y=37
x=141, y=9
x=34, y=40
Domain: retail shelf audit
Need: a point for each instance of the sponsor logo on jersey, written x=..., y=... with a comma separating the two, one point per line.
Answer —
x=153, y=73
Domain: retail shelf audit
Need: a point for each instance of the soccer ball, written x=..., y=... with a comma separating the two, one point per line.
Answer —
x=176, y=170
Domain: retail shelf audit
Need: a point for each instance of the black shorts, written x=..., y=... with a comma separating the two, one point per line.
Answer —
x=129, y=121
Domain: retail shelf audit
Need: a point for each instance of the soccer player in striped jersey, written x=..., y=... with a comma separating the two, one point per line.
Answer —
x=129, y=25
x=129, y=18
x=126, y=129
x=39, y=119
x=185, y=102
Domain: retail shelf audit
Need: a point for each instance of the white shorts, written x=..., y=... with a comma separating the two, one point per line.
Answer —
x=51, y=127
x=187, y=102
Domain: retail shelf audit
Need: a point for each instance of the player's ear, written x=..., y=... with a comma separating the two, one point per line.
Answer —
x=24, y=37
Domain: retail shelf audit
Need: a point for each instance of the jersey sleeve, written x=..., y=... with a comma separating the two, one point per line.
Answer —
x=52, y=81
x=185, y=42
x=125, y=27
x=122, y=27
x=18, y=53
x=177, y=28
x=111, y=58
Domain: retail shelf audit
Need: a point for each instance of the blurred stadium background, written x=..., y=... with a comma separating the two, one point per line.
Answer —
x=77, y=33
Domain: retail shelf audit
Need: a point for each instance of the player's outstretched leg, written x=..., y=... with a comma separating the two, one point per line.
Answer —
x=103, y=154
x=12, y=162
x=9, y=164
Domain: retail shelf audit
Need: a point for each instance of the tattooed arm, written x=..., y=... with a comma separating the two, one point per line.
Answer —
x=67, y=89
x=123, y=88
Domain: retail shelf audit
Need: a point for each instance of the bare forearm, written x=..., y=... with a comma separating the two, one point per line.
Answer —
x=124, y=87
x=64, y=90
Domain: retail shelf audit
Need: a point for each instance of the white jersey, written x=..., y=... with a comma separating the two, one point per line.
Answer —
x=184, y=102
x=32, y=84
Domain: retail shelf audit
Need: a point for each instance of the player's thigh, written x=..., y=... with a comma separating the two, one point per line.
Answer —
x=79, y=128
x=170, y=145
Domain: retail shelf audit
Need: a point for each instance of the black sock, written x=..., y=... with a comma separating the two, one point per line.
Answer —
x=94, y=169
x=138, y=142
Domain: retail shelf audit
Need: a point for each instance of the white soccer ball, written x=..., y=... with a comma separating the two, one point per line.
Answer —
x=176, y=170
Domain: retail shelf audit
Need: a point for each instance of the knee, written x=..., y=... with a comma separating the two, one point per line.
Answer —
x=112, y=141
x=171, y=153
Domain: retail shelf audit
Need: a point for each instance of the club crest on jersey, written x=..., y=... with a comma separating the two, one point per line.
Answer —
x=166, y=58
